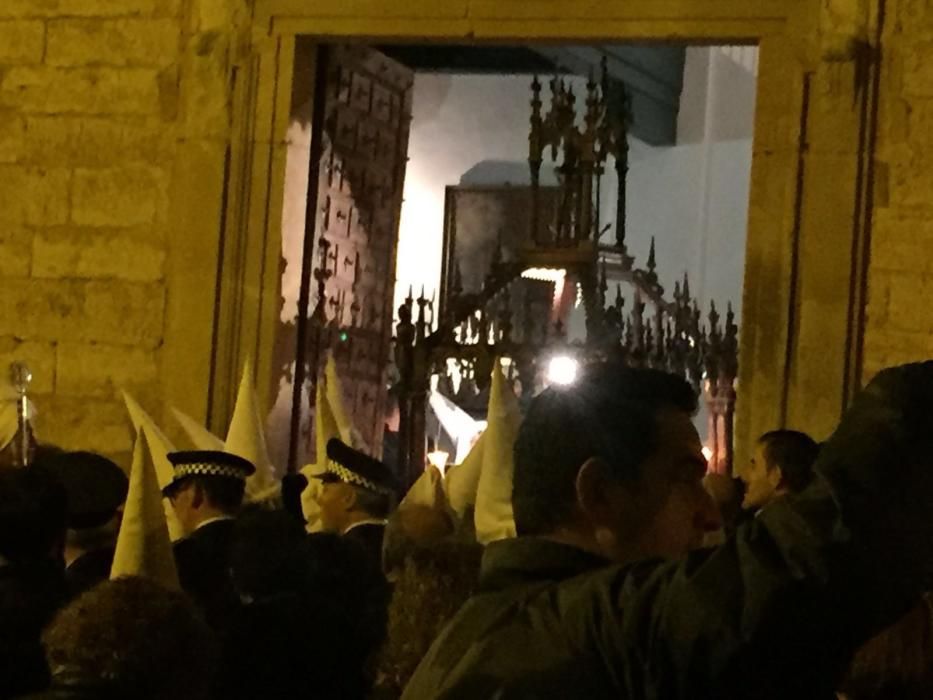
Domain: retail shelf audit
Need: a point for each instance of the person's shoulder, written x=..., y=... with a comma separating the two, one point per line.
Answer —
x=88, y=570
x=217, y=528
x=218, y=533
x=205, y=546
x=367, y=529
x=473, y=656
x=368, y=534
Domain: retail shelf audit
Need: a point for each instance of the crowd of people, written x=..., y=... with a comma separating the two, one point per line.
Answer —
x=632, y=573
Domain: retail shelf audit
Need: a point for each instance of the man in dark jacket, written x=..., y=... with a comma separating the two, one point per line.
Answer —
x=782, y=463
x=316, y=613
x=96, y=489
x=773, y=613
x=356, y=497
x=207, y=493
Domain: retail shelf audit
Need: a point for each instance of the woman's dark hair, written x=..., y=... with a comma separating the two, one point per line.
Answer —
x=429, y=588
x=131, y=638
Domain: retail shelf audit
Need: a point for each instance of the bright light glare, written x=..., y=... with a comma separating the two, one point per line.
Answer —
x=543, y=274
x=562, y=370
x=708, y=453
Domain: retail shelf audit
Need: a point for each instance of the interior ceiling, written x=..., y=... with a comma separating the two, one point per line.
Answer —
x=652, y=75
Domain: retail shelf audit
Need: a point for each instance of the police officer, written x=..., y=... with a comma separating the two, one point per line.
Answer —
x=207, y=493
x=357, y=496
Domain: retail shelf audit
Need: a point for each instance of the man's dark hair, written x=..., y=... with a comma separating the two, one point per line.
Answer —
x=222, y=493
x=793, y=453
x=33, y=513
x=378, y=505
x=609, y=413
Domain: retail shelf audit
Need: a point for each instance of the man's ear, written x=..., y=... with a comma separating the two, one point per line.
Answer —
x=348, y=497
x=595, y=485
x=197, y=496
x=774, y=476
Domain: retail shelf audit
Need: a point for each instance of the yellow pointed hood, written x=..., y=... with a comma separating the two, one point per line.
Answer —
x=325, y=425
x=462, y=480
x=201, y=437
x=335, y=397
x=143, y=544
x=159, y=447
x=428, y=490
x=493, y=515
x=325, y=428
x=246, y=436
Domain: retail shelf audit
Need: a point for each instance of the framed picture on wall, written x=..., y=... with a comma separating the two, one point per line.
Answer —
x=476, y=219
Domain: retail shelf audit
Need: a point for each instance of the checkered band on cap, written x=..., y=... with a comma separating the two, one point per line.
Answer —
x=352, y=477
x=208, y=469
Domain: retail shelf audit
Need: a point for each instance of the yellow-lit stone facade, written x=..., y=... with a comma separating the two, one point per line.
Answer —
x=100, y=101
x=143, y=164
x=899, y=312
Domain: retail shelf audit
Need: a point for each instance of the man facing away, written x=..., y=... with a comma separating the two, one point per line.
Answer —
x=356, y=497
x=207, y=493
x=608, y=472
x=96, y=489
x=782, y=463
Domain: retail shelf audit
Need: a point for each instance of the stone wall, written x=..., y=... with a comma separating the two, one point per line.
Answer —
x=899, y=319
x=98, y=99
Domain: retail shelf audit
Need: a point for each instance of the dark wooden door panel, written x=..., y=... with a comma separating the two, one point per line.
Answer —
x=366, y=124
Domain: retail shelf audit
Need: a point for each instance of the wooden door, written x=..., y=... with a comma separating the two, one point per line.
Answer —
x=360, y=174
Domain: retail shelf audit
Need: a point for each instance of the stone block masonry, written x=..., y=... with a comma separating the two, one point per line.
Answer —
x=89, y=94
x=119, y=42
x=21, y=41
x=899, y=314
